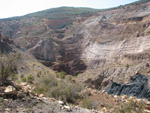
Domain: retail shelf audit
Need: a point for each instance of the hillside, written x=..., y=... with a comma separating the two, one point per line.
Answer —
x=66, y=37
x=83, y=46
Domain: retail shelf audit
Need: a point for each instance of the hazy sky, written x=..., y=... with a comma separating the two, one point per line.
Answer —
x=9, y=8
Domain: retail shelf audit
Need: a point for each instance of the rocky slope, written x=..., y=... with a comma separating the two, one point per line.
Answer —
x=114, y=43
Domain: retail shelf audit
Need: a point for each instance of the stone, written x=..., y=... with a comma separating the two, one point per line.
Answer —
x=132, y=98
x=104, y=109
x=139, y=100
x=61, y=102
x=147, y=111
x=102, y=105
x=41, y=95
x=124, y=97
x=116, y=96
x=68, y=108
x=147, y=107
x=7, y=109
x=103, y=91
x=146, y=101
x=10, y=90
x=25, y=89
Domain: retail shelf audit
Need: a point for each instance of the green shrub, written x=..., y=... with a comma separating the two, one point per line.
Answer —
x=63, y=90
x=69, y=78
x=7, y=68
x=45, y=84
x=30, y=79
x=86, y=103
x=78, y=75
x=23, y=79
x=62, y=75
x=66, y=92
x=127, y=66
x=131, y=107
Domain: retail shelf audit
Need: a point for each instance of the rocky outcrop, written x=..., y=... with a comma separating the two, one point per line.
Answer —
x=24, y=100
x=44, y=50
x=138, y=86
x=73, y=67
x=5, y=44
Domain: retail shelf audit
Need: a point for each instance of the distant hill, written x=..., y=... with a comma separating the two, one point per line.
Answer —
x=56, y=13
x=62, y=11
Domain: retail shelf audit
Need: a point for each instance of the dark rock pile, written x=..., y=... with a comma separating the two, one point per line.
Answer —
x=138, y=87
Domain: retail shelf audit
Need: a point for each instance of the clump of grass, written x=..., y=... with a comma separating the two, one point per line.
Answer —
x=23, y=79
x=61, y=74
x=29, y=79
x=131, y=107
x=89, y=104
x=127, y=66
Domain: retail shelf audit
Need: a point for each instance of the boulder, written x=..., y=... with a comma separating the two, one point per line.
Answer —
x=41, y=95
x=61, y=102
x=10, y=90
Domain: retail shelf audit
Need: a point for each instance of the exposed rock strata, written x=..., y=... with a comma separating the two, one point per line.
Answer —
x=138, y=86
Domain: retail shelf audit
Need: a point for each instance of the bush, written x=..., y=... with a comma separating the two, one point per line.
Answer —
x=30, y=79
x=61, y=74
x=127, y=66
x=131, y=107
x=86, y=103
x=66, y=91
x=7, y=68
x=23, y=79
x=45, y=84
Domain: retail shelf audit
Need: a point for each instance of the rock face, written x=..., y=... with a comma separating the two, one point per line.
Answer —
x=105, y=37
x=5, y=44
x=138, y=87
x=44, y=50
x=107, y=40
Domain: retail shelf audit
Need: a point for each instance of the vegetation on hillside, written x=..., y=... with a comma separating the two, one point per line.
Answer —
x=8, y=67
x=64, y=89
x=66, y=12
x=59, y=13
x=62, y=12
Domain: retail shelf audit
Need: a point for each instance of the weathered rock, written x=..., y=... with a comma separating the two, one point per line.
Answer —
x=61, y=102
x=23, y=84
x=72, y=67
x=10, y=90
x=41, y=95
x=137, y=87
x=44, y=50
x=68, y=108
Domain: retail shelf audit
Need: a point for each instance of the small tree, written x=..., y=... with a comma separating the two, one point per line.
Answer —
x=7, y=68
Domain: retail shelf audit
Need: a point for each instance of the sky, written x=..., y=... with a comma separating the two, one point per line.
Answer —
x=10, y=8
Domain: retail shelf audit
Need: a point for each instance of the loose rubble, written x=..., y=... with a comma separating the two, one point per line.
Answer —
x=26, y=101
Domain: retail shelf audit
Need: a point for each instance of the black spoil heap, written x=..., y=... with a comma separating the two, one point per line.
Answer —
x=138, y=87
